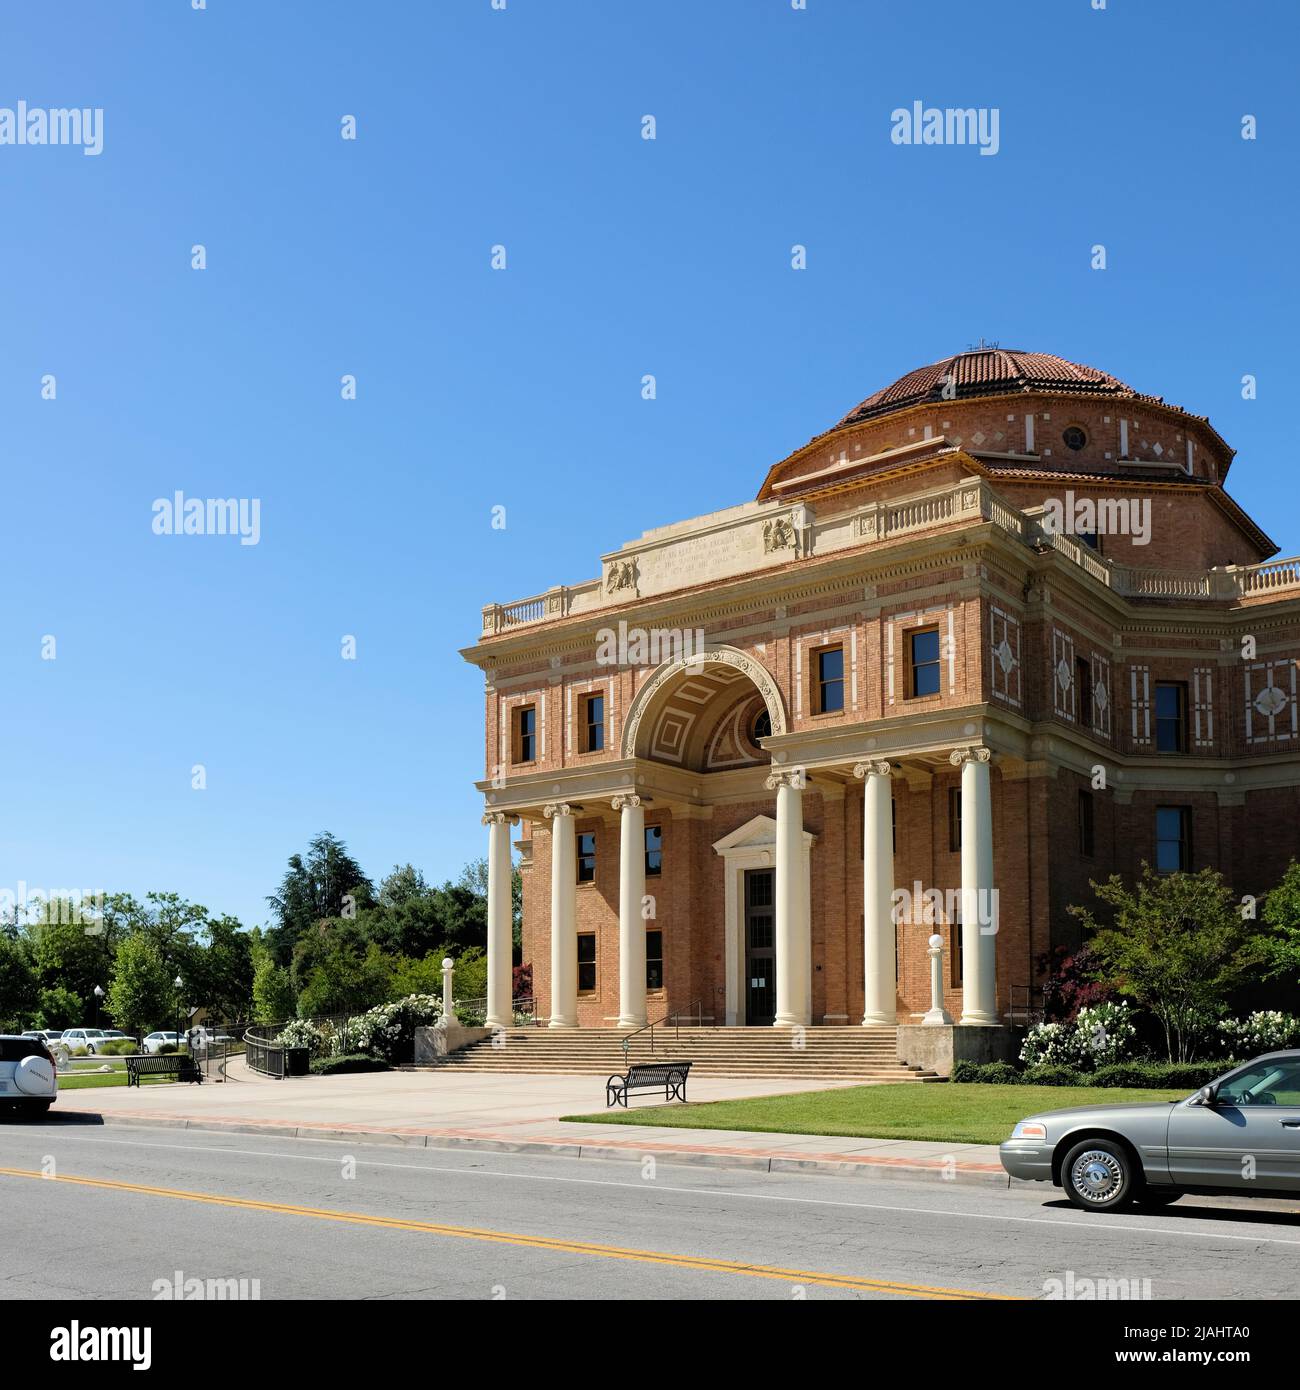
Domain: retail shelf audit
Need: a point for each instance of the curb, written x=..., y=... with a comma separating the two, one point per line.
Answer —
x=884, y=1169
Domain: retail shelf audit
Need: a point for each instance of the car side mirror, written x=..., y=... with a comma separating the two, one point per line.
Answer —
x=1205, y=1096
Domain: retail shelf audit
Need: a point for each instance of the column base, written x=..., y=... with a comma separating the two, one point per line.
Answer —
x=562, y=1023
x=980, y=1020
x=494, y=1021
x=631, y=1022
x=790, y=1022
x=937, y=1018
x=880, y=1020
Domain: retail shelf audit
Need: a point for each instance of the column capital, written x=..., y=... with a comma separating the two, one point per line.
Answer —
x=557, y=808
x=872, y=768
x=793, y=777
x=974, y=754
x=500, y=818
x=629, y=800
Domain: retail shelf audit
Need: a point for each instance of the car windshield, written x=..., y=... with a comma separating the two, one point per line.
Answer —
x=1265, y=1083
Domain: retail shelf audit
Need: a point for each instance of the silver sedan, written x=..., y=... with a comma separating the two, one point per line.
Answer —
x=1239, y=1135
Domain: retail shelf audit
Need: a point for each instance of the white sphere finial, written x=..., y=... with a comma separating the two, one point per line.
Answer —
x=936, y=941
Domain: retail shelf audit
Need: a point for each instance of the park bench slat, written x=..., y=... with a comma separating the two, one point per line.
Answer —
x=648, y=1076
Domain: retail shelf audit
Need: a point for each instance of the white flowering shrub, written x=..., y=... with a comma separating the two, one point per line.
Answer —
x=302, y=1032
x=1105, y=1033
x=1099, y=1036
x=388, y=1030
x=1050, y=1044
x=1266, y=1030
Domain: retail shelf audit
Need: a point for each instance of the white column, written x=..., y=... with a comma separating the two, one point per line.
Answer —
x=978, y=901
x=448, y=999
x=937, y=1014
x=564, y=916
x=880, y=979
x=793, y=928
x=631, y=924
x=500, y=923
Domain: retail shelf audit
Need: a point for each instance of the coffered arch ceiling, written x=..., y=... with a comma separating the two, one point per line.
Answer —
x=700, y=715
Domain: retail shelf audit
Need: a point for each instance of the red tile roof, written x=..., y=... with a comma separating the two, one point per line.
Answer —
x=992, y=372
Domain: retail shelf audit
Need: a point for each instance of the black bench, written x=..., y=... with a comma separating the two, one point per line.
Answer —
x=648, y=1076
x=178, y=1064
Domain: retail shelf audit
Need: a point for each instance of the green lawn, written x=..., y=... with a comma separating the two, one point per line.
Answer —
x=72, y=1081
x=946, y=1114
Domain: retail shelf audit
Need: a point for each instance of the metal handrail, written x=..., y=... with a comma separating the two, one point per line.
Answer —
x=675, y=1019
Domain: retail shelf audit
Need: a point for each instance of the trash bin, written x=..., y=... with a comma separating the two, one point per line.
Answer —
x=296, y=1061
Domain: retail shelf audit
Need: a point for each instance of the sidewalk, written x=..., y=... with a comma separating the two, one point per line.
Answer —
x=517, y=1114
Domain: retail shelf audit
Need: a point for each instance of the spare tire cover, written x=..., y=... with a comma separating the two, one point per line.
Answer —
x=34, y=1076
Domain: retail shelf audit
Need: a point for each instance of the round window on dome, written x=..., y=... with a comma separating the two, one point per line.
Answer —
x=1075, y=438
x=761, y=727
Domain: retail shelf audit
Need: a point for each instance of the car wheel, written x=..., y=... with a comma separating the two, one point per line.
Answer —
x=90, y=1051
x=1098, y=1175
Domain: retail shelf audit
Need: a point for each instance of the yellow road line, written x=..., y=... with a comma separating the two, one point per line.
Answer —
x=565, y=1247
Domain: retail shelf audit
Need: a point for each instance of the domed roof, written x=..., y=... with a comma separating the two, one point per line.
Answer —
x=990, y=372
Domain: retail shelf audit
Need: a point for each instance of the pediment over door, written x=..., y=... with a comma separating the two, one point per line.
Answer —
x=757, y=833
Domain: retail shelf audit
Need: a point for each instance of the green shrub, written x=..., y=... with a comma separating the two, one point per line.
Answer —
x=356, y=1061
x=1169, y=1076
x=1049, y=1075
x=124, y=1048
x=986, y=1074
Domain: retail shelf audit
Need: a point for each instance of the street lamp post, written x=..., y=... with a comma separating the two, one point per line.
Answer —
x=178, y=982
x=99, y=994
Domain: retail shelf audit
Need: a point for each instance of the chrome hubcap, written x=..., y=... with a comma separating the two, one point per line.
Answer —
x=1096, y=1175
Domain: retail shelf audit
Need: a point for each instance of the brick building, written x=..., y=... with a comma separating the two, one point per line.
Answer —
x=999, y=631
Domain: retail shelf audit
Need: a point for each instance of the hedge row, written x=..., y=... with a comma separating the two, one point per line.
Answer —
x=354, y=1061
x=1169, y=1076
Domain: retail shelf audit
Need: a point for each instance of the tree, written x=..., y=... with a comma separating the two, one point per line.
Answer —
x=70, y=955
x=19, y=988
x=1281, y=914
x=273, y=998
x=58, y=1008
x=345, y=981
x=141, y=995
x=316, y=887
x=222, y=970
x=1177, y=945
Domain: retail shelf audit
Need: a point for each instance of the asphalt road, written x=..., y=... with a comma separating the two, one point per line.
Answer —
x=127, y=1207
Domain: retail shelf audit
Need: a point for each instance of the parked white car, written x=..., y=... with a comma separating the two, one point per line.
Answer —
x=155, y=1042
x=28, y=1079
x=92, y=1039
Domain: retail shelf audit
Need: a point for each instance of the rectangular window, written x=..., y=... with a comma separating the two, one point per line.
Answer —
x=1091, y=539
x=1173, y=839
x=923, y=662
x=587, y=963
x=593, y=720
x=957, y=952
x=954, y=819
x=1085, y=825
x=526, y=734
x=654, y=850
x=829, y=694
x=587, y=857
x=1171, y=717
x=1083, y=681
x=654, y=960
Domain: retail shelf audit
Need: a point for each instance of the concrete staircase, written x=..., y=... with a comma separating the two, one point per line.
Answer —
x=840, y=1054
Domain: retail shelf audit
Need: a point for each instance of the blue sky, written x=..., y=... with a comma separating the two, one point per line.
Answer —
x=522, y=387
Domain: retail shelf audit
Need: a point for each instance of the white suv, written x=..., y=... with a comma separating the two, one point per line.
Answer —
x=28, y=1079
x=89, y=1038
